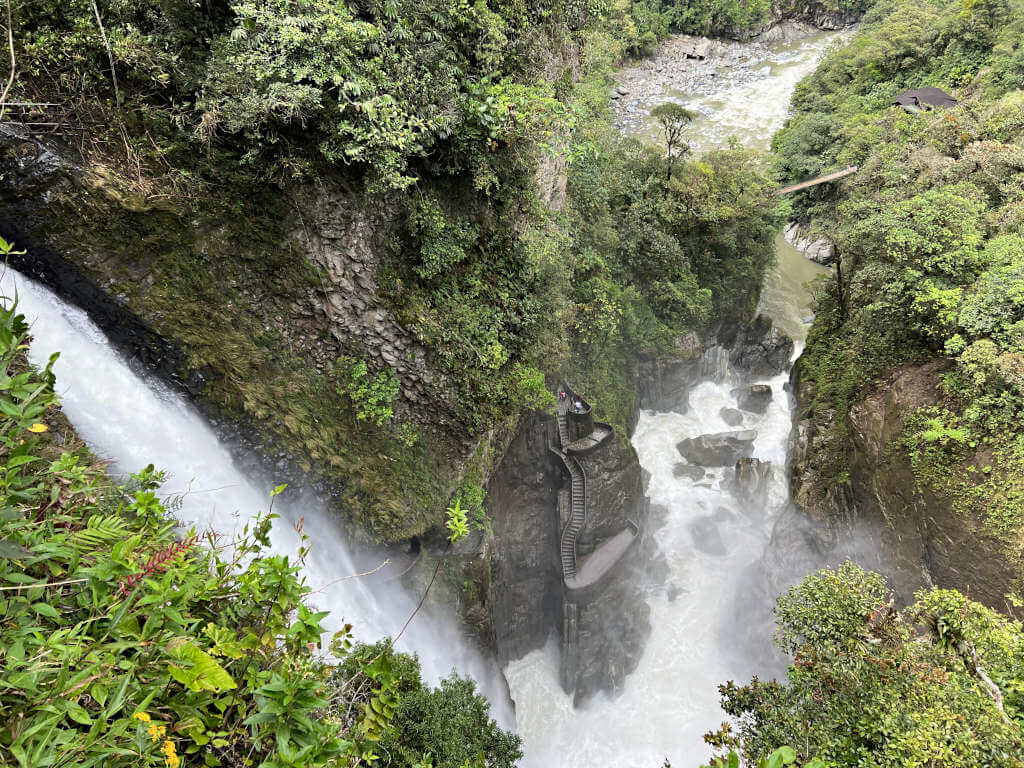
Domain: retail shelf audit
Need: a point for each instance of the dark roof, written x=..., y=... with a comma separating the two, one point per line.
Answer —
x=927, y=96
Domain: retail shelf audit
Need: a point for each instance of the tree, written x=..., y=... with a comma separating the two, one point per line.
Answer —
x=444, y=727
x=673, y=118
x=938, y=683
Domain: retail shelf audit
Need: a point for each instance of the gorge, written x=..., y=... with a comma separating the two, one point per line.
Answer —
x=132, y=421
x=618, y=436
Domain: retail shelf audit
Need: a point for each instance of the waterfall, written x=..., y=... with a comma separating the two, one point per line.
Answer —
x=132, y=420
x=704, y=622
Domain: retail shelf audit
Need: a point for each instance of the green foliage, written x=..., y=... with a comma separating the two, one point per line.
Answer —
x=656, y=257
x=673, y=119
x=457, y=522
x=122, y=644
x=873, y=686
x=928, y=231
x=780, y=757
x=445, y=727
x=373, y=396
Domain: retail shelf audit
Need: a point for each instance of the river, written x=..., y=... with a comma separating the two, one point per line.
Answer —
x=132, y=420
x=701, y=637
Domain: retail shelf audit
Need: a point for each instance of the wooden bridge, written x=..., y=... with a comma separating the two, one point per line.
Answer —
x=819, y=180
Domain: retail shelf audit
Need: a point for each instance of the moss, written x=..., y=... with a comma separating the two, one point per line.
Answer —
x=981, y=478
x=223, y=285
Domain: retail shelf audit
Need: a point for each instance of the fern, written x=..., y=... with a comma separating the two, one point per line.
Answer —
x=101, y=530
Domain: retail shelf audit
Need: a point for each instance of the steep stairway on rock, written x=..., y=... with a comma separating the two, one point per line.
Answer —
x=577, y=498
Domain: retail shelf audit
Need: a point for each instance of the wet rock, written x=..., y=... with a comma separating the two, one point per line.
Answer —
x=751, y=483
x=723, y=515
x=754, y=398
x=706, y=536
x=820, y=250
x=761, y=349
x=731, y=416
x=718, y=450
x=689, y=471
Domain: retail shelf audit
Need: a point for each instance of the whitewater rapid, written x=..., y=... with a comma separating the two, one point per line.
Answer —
x=131, y=420
x=701, y=636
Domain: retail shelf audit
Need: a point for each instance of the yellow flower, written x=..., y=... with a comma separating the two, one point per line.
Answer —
x=173, y=761
x=156, y=732
x=38, y=428
x=143, y=716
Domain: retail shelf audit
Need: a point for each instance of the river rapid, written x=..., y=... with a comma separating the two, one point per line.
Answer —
x=703, y=625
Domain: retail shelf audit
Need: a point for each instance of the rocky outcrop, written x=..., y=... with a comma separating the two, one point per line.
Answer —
x=751, y=483
x=820, y=250
x=761, y=349
x=755, y=398
x=528, y=497
x=526, y=574
x=879, y=515
x=722, y=449
x=663, y=383
x=343, y=239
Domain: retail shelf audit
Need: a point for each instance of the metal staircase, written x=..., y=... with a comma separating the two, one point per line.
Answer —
x=577, y=499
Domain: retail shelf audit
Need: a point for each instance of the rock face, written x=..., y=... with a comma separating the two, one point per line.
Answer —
x=606, y=637
x=761, y=349
x=663, y=383
x=522, y=503
x=343, y=239
x=752, y=482
x=820, y=250
x=754, y=398
x=722, y=449
x=879, y=516
x=529, y=599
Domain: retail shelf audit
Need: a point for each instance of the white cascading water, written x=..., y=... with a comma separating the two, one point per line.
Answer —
x=700, y=638
x=133, y=420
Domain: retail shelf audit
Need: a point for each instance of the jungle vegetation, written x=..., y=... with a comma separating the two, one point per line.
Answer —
x=931, y=235
x=208, y=131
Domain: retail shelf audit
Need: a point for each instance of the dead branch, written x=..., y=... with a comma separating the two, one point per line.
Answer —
x=106, y=43
x=10, y=78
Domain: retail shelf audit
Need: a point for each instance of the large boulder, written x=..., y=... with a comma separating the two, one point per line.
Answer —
x=721, y=449
x=706, y=536
x=731, y=416
x=761, y=349
x=754, y=398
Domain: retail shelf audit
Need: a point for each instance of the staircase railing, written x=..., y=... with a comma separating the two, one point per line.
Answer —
x=577, y=499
